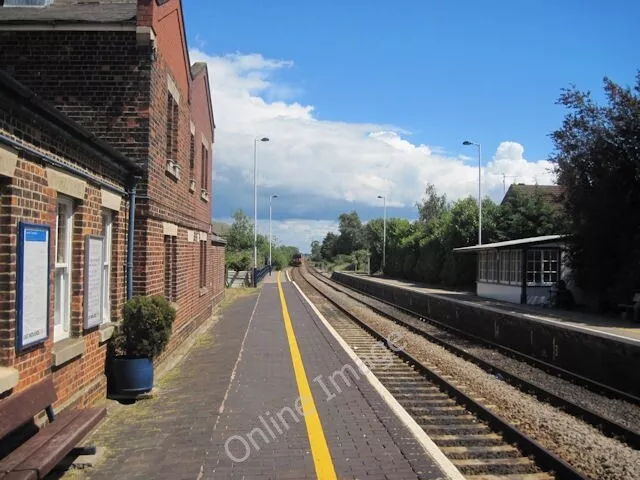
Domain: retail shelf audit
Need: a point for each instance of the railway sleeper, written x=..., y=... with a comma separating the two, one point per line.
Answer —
x=486, y=451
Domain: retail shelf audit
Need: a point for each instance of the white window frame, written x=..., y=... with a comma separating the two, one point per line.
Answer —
x=107, y=233
x=540, y=266
x=63, y=272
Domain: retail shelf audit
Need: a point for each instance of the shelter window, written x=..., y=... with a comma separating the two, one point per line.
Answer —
x=543, y=266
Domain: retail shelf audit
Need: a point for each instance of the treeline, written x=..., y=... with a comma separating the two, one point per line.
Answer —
x=239, y=250
x=423, y=250
x=597, y=162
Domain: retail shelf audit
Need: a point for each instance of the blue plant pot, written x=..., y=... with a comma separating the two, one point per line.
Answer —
x=131, y=376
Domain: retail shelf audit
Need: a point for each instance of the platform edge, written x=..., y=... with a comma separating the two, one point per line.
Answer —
x=430, y=448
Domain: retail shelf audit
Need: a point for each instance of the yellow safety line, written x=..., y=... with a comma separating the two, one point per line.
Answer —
x=319, y=448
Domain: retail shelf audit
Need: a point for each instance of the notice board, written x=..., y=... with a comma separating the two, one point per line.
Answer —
x=32, y=285
x=93, y=268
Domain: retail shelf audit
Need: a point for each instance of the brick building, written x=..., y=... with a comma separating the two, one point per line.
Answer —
x=54, y=174
x=121, y=70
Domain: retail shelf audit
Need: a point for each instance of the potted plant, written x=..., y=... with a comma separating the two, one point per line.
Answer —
x=143, y=334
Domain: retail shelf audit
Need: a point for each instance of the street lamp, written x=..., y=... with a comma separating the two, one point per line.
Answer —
x=384, y=232
x=467, y=142
x=255, y=199
x=270, y=199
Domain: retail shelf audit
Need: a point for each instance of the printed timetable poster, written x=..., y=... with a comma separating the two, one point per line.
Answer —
x=33, y=285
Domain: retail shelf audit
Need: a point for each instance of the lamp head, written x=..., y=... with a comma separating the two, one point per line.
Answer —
x=467, y=142
x=274, y=196
x=380, y=196
x=264, y=139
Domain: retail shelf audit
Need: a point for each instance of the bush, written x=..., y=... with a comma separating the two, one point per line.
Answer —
x=145, y=328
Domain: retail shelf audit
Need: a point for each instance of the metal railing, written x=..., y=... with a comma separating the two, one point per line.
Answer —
x=259, y=274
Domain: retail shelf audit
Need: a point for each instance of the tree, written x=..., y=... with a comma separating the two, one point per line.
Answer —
x=351, y=234
x=316, y=254
x=240, y=236
x=432, y=205
x=523, y=216
x=597, y=160
x=328, y=250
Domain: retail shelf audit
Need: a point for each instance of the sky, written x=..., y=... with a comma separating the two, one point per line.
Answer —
x=362, y=98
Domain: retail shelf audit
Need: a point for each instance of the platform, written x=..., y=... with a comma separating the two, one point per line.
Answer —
x=576, y=319
x=244, y=405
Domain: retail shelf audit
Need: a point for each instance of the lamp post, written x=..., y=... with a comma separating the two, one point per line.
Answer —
x=384, y=231
x=467, y=142
x=270, y=242
x=255, y=202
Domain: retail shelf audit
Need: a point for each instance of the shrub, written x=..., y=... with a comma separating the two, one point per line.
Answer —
x=145, y=328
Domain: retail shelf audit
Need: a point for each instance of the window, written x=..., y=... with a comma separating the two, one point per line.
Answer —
x=192, y=152
x=204, y=181
x=107, y=223
x=203, y=264
x=172, y=128
x=542, y=266
x=62, y=302
x=515, y=270
x=170, y=268
x=482, y=266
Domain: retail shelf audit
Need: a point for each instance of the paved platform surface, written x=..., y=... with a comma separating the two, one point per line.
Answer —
x=584, y=320
x=229, y=410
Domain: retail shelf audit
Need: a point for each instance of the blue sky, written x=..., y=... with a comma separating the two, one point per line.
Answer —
x=382, y=94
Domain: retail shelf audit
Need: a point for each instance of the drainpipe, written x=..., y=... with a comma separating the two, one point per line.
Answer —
x=132, y=219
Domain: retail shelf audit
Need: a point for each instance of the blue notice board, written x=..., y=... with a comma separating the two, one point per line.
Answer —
x=32, y=302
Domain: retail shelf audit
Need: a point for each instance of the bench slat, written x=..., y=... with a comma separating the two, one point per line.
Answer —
x=26, y=475
x=19, y=408
x=28, y=448
x=53, y=451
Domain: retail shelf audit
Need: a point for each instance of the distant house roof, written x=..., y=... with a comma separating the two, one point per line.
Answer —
x=219, y=228
x=552, y=194
x=520, y=242
x=95, y=11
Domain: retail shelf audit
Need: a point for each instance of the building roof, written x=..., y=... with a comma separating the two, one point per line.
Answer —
x=520, y=242
x=217, y=239
x=35, y=107
x=552, y=194
x=95, y=11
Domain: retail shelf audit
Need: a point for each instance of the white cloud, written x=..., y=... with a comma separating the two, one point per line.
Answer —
x=335, y=161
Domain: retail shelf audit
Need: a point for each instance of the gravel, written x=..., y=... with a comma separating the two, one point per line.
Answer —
x=619, y=411
x=578, y=443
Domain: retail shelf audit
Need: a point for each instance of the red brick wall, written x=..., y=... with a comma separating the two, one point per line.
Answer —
x=29, y=197
x=98, y=79
x=117, y=88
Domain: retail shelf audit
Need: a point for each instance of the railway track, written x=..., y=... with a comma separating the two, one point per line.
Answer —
x=416, y=324
x=479, y=443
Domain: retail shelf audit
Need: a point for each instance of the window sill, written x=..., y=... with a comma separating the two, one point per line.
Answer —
x=9, y=378
x=204, y=291
x=67, y=349
x=106, y=331
x=173, y=170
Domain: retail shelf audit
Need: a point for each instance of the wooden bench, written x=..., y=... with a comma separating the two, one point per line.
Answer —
x=632, y=308
x=37, y=456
